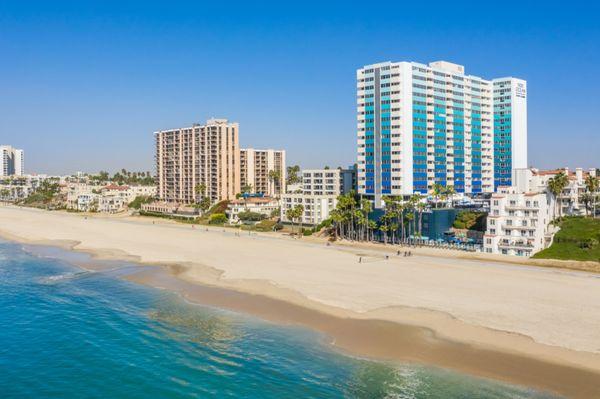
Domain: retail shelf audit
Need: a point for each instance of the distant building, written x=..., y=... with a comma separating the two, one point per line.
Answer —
x=19, y=187
x=256, y=167
x=200, y=155
x=13, y=161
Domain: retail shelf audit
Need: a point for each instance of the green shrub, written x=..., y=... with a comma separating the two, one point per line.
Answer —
x=139, y=200
x=217, y=218
x=265, y=225
x=248, y=216
x=219, y=207
x=470, y=220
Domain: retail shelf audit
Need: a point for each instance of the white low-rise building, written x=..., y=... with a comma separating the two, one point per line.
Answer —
x=570, y=200
x=316, y=207
x=129, y=193
x=76, y=190
x=87, y=202
x=111, y=198
x=263, y=205
x=111, y=203
x=519, y=219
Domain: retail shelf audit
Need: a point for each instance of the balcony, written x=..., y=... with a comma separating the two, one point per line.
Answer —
x=520, y=243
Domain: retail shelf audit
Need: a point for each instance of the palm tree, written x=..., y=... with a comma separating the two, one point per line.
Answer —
x=200, y=190
x=292, y=174
x=336, y=219
x=556, y=185
x=204, y=204
x=366, y=208
x=298, y=213
x=295, y=213
x=275, y=179
x=437, y=192
x=291, y=215
x=371, y=226
x=449, y=192
x=592, y=184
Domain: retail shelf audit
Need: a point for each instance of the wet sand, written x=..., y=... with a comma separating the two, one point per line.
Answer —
x=385, y=340
x=422, y=334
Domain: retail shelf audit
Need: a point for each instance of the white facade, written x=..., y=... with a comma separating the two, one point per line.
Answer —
x=264, y=205
x=510, y=128
x=327, y=181
x=111, y=199
x=316, y=207
x=570, y=201
x=519, y=219
x=12, y=161
x=418, y=125
x=111, y=203
x=87, y=202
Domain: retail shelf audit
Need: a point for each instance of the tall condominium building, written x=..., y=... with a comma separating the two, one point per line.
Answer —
x=419, y=125
x=257, y=168
x=13, y=161
x=510, y=129
x=198, y=156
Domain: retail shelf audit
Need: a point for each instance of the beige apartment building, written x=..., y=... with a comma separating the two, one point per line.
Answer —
x=256, y=167
x=198, y=155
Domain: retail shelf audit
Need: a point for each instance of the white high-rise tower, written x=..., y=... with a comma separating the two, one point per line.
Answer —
x=13, y=161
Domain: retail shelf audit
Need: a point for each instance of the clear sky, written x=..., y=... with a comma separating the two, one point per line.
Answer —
x=84, y=84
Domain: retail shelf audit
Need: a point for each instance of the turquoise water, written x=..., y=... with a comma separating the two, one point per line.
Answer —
x=65, y=333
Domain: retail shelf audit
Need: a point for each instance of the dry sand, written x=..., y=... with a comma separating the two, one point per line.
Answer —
x=527, y=324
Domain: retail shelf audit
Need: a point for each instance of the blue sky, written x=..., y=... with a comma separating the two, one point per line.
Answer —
x=84, y=84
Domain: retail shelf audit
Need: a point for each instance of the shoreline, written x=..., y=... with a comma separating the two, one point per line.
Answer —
x=387, y=341
x=388, y=333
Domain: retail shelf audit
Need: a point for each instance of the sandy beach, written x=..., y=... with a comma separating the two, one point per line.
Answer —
x=526, y=324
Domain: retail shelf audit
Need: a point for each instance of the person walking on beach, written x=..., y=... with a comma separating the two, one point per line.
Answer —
x=360, y=259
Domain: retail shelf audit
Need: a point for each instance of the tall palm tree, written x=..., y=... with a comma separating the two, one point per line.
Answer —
x=291, y=215
x=449, y=192
x=298, y=213
x=437, y=192
x=275, y=180
x=592, y=185
x=292, y=174
x=366, y=208
x=556, y=185
x=200, y=190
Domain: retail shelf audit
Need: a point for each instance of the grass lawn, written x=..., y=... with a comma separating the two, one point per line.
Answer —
x=578, y=239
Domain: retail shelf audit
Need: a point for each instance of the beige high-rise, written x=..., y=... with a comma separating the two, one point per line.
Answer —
x=190, y=157
x=255, y=169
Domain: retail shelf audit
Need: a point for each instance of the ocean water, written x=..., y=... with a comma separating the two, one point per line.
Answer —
x=67, y=333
